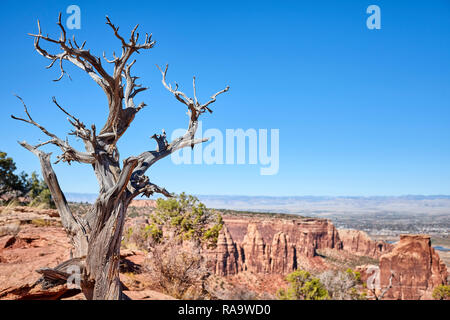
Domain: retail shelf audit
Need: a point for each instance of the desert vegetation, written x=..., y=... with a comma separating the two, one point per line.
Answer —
x=20, y=188
x=442, y=292
x=328, y=285
x=177, y=230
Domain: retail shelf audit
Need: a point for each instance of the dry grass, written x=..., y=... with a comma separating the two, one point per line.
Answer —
x=9, y=207
x=41, y=223
x=179, y=270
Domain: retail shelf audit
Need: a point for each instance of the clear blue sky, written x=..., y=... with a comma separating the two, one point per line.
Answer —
x=360, y=112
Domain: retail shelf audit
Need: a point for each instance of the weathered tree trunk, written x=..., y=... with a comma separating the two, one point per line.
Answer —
x=103, y=257
x=96, y=237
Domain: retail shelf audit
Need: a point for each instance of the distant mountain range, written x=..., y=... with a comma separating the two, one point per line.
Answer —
x=318, y=205
x=81, y=197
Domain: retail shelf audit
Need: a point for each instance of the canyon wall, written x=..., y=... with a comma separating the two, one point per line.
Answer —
x=270, y=245
x=279, y=246
x=415, y=267
x=359, y=243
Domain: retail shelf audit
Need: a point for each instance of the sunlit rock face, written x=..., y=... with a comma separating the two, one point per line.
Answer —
x=270, y=245
x=415, y=267
x=359, y=243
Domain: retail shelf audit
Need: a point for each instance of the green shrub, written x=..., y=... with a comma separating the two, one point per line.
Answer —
x=303, y=286
x=9, y=181
x=40, y=193
x=185, y=218
x=441, y=292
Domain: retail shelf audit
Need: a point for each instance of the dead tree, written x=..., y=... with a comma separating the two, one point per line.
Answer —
x=96, y=236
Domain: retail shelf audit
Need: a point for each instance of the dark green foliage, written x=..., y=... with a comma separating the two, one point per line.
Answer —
x=9, y=181
x=186, y=218
x=303, y=286
x=39, y=192
x=355, y=275
x=441, y=292
x=20, y=185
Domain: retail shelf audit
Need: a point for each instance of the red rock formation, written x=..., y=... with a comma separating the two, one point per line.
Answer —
x=143, y=203
x=359, y=243
x=416, y=267
x=270, y=245
x=282, y=254
x=224, y=257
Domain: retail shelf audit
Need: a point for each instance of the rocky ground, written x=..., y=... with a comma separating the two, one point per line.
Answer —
x=31, y=239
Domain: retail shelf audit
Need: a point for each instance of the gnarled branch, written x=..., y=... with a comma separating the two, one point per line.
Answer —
x=118, y=119
x=195, y=109
x=77, y=55
x=194, y=106
x=68, y=152
x=70, y=222
x=142, y=185
x=128, y=48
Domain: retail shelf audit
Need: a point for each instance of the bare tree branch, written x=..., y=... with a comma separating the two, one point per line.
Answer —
x=68, y=152
x=178, y=94
x=118, y=119
x=195, y=109
x=80, y=131
x=128, y=48
x=145, y=187
x=128, y=165
x=71, y=223
x=77, y=55
x=161, y=140
x=132, y=88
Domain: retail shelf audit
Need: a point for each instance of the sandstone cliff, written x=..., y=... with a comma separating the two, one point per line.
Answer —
x=359, y=243
x=270, y=245
x=143, y=203
x=416, y=269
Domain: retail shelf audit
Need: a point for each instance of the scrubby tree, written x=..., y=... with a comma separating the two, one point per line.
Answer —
x=9, y=181
x=441, y=292
x=179, y=229
x=180, y=270
x=303, y=286
x=14, y=186
x=343, y=285
x=184, y=217
x=96, y=236
x=39, y=192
